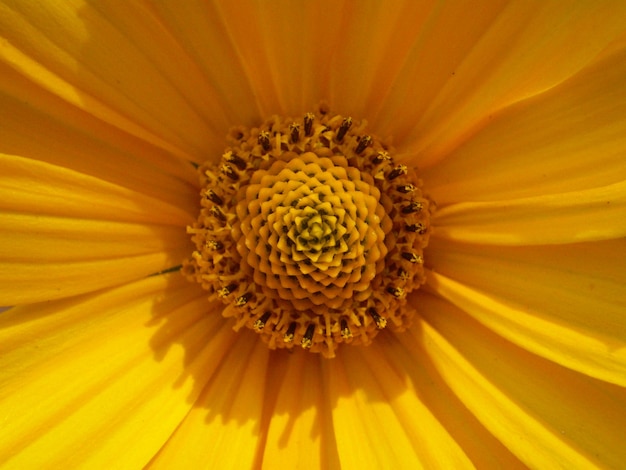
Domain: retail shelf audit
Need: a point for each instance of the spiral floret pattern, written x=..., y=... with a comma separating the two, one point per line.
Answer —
x=310, y=233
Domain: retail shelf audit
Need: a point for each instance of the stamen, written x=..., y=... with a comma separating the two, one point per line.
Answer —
x=218, y=213
x=406, y=188
x=413, y=257
x=288, y=337
x=307, y=339
x=260, y=323
x=419, y=228
x=397, y=171
x=380, y=321
x=363, y=144
x=243, y=299
x=228, y=171
x=343, y=129
x=412, y=208
x=236, y=160
x=308, y=124
x=294, y=129
x=264, y=140
x=211, y=196
x=345, y=329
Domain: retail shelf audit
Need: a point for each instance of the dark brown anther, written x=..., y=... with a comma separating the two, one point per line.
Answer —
x=288, y=337
x=228, y=171
x=419, y=228
x=397, y=171
x=381, y=157
x=213, y=197
x=264, y=140
x=412, y=207
x=363, y=144
x=224, y=291
x=236, y=160
x=218, y=214
x=259, y=324
x=294, y=129
x=380, y=321
x=308, y=124
x=307, y=339
x=406, y=188
x=243, y=299
x=345, y=127
x=397, y=292
x=412, y=257
x=345, y=330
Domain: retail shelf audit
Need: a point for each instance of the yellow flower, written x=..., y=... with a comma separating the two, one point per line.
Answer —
x=514, y=113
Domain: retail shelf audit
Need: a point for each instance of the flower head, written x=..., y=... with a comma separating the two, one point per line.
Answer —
x=487, y=332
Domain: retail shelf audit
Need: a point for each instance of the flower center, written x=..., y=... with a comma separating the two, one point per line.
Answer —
x=310, y=233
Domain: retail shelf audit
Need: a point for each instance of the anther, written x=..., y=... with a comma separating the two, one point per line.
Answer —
x=307, y=339
x=288, y=336
x=308, y=124
x=294, y=129
x=363, y=144
x=380, y=321
x=264, y=140
x=345, y=127
x=397, y=292
x=239, y=162
x=406, y=188
x=260, y=323
x=243, y=299
x=225, y=291
x=419, y=228
x=381, y=157
x=412, y=207
x=413, y=257
x=213, y=197
x=397, y=171
x=228, y=171
x=345, y=330
x=218, y=214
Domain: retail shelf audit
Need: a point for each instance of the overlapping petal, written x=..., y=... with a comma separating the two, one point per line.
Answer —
x=119, y=365
x=517, y=355
x=54, y=209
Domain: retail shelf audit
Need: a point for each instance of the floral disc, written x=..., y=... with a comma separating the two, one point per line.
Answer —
x=310, y=233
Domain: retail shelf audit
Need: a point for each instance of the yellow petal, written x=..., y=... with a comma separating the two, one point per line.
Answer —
x=564, y=303
x=570, y=138
x=580, y=216
x=85, y=377
x=40, y=188
x=89, y=233
x=138, y=79
x=298, y=419
x=71, y=138
x=548, y=416
x=524, y=49
x=222, y=429
x=379, y=419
